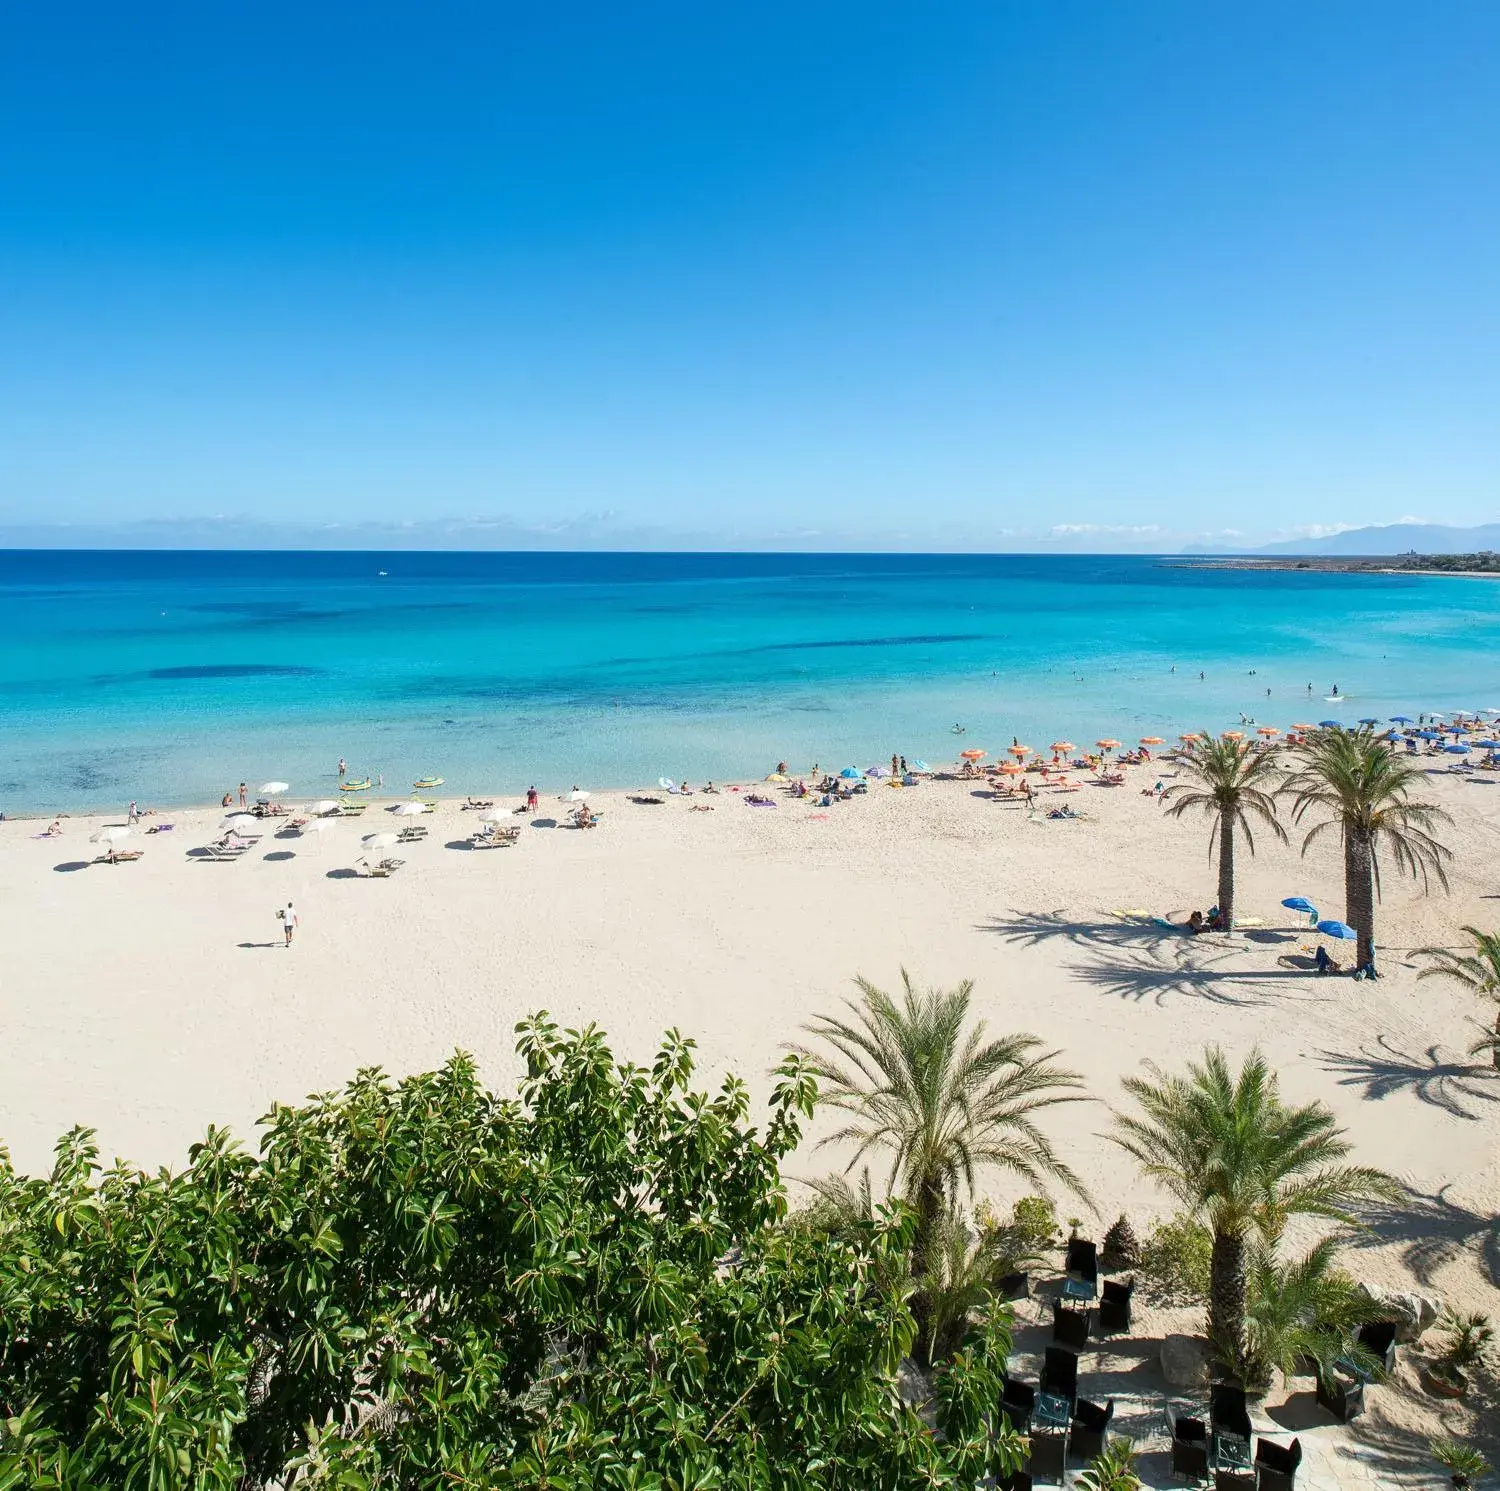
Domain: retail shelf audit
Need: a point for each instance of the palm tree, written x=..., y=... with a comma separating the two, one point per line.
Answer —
x=1478, y=971
x=921, y=1082
x=1227, y=780
x=1243, y=1162
x=1364, y=788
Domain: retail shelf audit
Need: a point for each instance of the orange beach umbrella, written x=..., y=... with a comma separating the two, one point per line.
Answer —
x=1062, y=745
x=1106, y=745
x=1152, y=740
x=1011, y=768
x=1267, y=730
x=972, y=754
x=1019, y=750
x=1304, y=727
x=1191, y=735
x=1232, y=735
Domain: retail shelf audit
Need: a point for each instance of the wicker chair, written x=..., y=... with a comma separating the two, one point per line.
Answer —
x=1070, y=1328
x=1276, y=1465
x=1090, y=1427
x=1190, y=1449
x=1060, y=1374
x=1114, y=1306
x=1017, y=1403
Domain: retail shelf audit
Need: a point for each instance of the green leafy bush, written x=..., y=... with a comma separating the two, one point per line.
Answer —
x=421, y=1284
x=1175, y=1259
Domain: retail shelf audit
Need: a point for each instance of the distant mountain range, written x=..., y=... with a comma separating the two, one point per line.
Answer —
x=1389, y=538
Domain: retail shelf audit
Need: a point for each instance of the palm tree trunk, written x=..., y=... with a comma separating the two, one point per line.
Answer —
x=1359, y=893
x=1226, y=869
x=1226, y=1298
x=931, y=1199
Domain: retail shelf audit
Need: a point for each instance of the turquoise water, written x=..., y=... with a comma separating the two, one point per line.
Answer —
x=169, y=677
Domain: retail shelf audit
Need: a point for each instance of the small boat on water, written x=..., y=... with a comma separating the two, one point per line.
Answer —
x=363, y=785
x=424, y=782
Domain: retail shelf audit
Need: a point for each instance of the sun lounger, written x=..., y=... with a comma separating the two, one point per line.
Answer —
x=413, y=834
x=223, y=850
x=120, y=857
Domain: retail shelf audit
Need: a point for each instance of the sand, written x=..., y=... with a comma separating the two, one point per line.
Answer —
x=146, y=1000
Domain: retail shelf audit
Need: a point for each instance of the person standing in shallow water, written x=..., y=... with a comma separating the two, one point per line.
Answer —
x=343, y=767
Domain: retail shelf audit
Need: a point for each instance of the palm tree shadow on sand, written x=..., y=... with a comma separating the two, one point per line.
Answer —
x=1189, y=971
x=1458, y=1087
x=1035, y=928
x=1431, y=1231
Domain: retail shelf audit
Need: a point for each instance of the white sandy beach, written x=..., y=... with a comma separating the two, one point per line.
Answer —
x=148, y=999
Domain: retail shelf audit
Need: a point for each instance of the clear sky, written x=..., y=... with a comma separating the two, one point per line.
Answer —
x=753, y=272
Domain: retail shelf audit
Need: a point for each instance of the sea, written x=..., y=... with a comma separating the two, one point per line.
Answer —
x=170, y=677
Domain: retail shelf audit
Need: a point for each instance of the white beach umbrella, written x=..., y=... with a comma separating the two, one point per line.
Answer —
x=379, y=841
x=409, y=809
x=665, y=782
x=317, y=826
x=323, y=805
x=241, y=820
x=495, y=815
x=111, y=835
x=579, y=794
x=273, y=789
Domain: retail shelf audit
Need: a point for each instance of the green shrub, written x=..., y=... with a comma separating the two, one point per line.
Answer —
x=1175, y=1260
x=1034, y=1219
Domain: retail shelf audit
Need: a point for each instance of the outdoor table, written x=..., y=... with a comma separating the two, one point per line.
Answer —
x=1233, y=1467
x=1078, y=1291
x=1052, y=1412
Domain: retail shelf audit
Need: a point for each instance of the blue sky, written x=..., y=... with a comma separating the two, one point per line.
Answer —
x=1107, y=274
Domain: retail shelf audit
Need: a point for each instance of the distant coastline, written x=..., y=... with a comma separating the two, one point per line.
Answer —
x=1484, y=565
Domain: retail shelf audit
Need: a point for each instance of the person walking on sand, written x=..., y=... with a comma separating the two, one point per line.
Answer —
x=288, y=922
x=343, y=768
x=133, y=816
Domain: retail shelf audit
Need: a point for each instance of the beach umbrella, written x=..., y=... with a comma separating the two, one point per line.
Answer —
x=1428, y=735
x=382, y=840
x=1330, y=724
x=1456, y=750
x=1107, y=744
x=1190, y=736
x=920, y=766
x=1267, y=730
x=1012, y=768
x=665, y=783
x=111, y=835
x=973, y=754
x=1341, y=930
x=852, y=774
x=1304, y=726
x=1232, y=735
x=1152, y=740
x=495, y=815
x=1436, y=714
x=870, y=771
x=274, y=789
x=1062, y=745
x=1400, y=719
x=579, y=794
x=1301, y=903
x=1368, y=721
x=324, y=805
x=317, y=826
x=409, y=809
x=241, y=820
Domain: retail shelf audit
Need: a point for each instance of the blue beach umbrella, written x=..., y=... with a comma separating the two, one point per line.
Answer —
x=1369, y=722
x=1457, y=750
x=1301, y=903
x=1427, y=735
x=851, y=774
x=1330, y=724
x=920, y=766
x=1342, y=930
x=1400, y=719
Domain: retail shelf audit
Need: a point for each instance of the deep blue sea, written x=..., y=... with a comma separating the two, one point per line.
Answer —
x=170, y=677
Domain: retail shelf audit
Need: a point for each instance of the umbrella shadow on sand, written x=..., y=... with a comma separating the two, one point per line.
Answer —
x=342, y=873
x=278, y=855
x=542, y=823
x=69, y=865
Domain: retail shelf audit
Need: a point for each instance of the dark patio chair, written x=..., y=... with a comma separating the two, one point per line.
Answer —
x=1379, y=1339
x=1017, y=1480
x=1017, y=1403
x=1070, y=1328
x=1083, y=1261
x=1049, y=1457
x=1090, y=1427
x=1234, y=1480
x=1226, y=1411
x=1276, y=1464
x=1060, y=1373
x=1013, y=1286
x=1114, y=1306
x=1190, y=1449
x=1341, y=1395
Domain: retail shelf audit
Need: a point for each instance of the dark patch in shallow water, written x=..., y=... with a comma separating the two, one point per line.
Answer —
x=234, y=670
